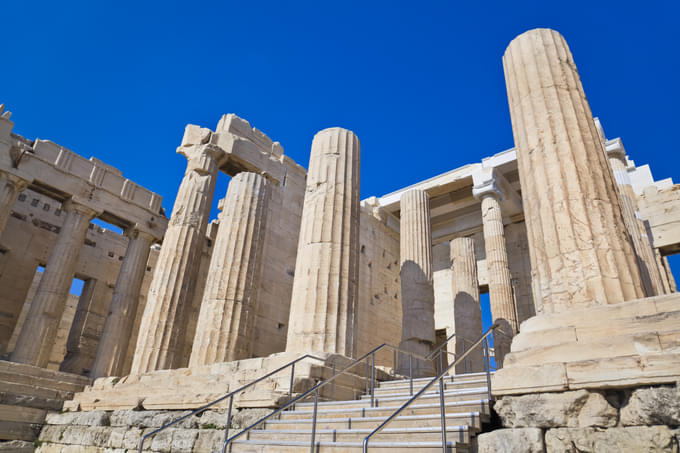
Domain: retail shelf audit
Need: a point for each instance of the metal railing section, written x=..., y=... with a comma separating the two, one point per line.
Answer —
x=231, y=395
x=483, y=340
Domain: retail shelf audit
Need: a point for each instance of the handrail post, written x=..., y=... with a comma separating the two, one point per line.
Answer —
x=373, y=380
x=394, y=362
x=442, y=407
x=226, y=427
x=487, y=365
x=316, y=402
x=465, y=359
x=292, y=379
x=441, y=360
x=410, y=373
x=333, y=384
x=368, y=385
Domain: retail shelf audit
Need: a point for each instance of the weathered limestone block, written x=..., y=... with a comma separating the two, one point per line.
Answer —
x=417, y=292
x=160, y=339
x=40, y=328
x=652, y=406
x=580, y=251
x=93, y=418
x=326, y=271
x=520, y=440
x=651, y=439
x=113, y=344
x=467, y=311
x=227, y=316
x=553, y=410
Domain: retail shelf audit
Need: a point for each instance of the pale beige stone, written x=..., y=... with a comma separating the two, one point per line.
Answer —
x=417, y=292
x=652, y=439
x=322, y=313
x=159, y=342
x=10, y=186
x=652, y=406
x=521, y=440
x=574, y=263
x=114, y=341
x=226, y=320
x=40, y=328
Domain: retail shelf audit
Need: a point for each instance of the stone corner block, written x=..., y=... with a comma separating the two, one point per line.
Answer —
x=549, y=377
x=520, y=440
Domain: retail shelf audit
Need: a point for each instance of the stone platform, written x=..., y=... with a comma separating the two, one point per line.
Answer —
x=622, y=345
x=190, y=388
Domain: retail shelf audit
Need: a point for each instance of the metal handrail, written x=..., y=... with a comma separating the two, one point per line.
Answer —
x=231, y=396
x=315, y=389
x=482, y=340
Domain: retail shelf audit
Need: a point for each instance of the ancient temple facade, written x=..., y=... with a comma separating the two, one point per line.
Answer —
x=176, y=311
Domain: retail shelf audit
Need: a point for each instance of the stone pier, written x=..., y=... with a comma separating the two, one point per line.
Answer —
x=160, y=336
x=326, y=272
x=467, y=312
x=10, y=186
x=40, y=329
x=649, y=270
x=501, y=296
x=581, y=254
x=417, y=292
x=115, y=337
x=226, y=319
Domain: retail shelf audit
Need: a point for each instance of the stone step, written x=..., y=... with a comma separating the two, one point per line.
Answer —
x=423, y=381
x=262, y=446
x=471, y=419
x=17, y=446
x=458, y=434
x=19, y=430
x=34, y=371
x=21, y=414
x=417, y=408
x=448, y=385
x=13, y=399
x=43, y=382
x=449, y=396
x=404, y=392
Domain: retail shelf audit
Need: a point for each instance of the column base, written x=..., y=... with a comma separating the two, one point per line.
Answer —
x=190, y=388
x=622, y=345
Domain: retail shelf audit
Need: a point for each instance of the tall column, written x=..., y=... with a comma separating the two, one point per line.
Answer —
x=417, y=292
x=10, y=186
x=40, y=329
x=160, y=335
x=580, y=252
x=327, y=265
x=113, y=344
x=225, y=322
x=467, y=312
x=649, y=271
x=501, y=296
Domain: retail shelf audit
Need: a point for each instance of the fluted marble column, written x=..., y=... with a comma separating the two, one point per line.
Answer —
x=417, y=292
x=40, y=328
x=225, y=322
x=649, y=271
x=10, y=186
x=501, y=296
x=327, y=266
x=160, y=335
x=467, y=312
x=580, y=252
x=113, y=344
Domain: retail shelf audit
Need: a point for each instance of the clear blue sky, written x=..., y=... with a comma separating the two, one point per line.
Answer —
x=421, y=83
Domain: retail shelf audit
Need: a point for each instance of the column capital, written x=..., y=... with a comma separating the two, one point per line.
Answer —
x=137, y=231
x=73, y=205
x=615, y=150
x=200, y=157
x=485, y=184
x=18, y=182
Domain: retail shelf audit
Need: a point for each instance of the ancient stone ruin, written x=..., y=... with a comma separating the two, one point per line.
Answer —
x=306, y=319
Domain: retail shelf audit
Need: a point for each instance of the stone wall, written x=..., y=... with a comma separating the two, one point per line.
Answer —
x=629, y=420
